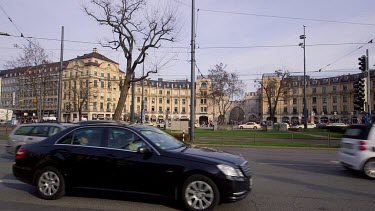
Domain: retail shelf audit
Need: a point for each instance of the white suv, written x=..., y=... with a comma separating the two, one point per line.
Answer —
x=358, y=149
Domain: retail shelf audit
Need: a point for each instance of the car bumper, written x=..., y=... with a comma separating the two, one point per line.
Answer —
x=23, y=174
x=353, y=161
x=234, y=189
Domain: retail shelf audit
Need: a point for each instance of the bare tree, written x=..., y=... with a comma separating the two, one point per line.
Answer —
x=225, y=88
x=137, y=29
x=273, y=87
x=33, y=54
x=78, y=90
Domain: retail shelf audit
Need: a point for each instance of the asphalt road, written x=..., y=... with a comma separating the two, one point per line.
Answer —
x=284, y=179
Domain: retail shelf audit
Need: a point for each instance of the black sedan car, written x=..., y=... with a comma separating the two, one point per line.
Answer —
x=134, y=158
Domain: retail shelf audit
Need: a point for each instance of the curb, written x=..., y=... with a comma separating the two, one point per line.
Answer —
x=270, y=147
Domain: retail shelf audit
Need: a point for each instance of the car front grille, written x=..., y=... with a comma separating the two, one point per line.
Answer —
x=246, y=169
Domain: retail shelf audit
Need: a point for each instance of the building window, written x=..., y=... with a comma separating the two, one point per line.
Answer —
x=334, y=88
x=314, y=109
x=101, y=106
x=285, y=101
x=345, y=87
x=314, y=100
x=325, y=109
x=160, y=92
x=139, y=90
x=334, y=99
x=102, y=84
x=160, y=108
x=204, y=101
x=203, y=109
x=314, y=90
x=324, y=100
x=335, y=108
x=294, y=100
x=295, y=110
x=168, y=101
x=175, y=101
x=175, y=109
x=183, y=101
x=152, y=108
x=345, y=108
x=294, y=91
x=160, y=100
x=138, y=99
x=168, y=92
x=324, y=89
x=285, y=109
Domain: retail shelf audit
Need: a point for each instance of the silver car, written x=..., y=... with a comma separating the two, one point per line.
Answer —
x=31, y=133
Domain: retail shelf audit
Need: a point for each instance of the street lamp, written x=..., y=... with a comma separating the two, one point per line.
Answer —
x=303, y=45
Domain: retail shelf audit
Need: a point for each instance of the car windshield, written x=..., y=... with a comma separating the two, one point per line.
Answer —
x=161, y=139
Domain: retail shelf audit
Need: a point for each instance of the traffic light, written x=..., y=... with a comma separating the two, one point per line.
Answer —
x=362, y=63
x=359, y=94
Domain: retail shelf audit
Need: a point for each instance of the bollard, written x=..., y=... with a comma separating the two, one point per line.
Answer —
x=183, y=135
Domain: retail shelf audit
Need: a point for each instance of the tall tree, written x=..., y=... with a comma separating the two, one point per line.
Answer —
x=137, y=29
x=33, y=54
x=226, y=87
x=273, y=87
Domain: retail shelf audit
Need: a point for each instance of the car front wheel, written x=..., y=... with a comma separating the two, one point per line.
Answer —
x=200, y=193
x=369, y=168
x=50, y=184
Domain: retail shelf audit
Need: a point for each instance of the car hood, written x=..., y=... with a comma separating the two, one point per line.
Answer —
x=213, y=155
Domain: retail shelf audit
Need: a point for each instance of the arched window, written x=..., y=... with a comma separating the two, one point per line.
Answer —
x=204, y=85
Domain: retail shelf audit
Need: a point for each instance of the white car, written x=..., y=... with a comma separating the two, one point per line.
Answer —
x=249, y=125
x=357, y=150
x=309, y=126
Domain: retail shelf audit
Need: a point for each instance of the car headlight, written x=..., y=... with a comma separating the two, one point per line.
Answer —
x=230, y=171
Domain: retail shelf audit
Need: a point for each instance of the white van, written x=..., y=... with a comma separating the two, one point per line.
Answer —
x=358, y=149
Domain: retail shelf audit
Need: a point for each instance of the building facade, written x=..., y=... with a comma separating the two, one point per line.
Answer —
x=328, y=100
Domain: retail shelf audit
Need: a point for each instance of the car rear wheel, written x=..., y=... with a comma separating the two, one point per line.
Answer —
x=241, y=127
x=200, y=193
x=369, y=168
x=50, y=184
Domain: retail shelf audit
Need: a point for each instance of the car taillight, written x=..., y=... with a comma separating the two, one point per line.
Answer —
x=20, y=153
x=362, y=146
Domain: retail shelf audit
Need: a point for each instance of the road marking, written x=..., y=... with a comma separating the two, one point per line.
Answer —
x=11, y=181
x=335, y=161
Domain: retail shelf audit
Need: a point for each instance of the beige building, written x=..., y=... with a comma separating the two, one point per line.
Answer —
x=90, y=85
x=328, y=100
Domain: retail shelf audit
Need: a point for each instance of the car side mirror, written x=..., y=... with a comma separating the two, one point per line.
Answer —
x=144, y=150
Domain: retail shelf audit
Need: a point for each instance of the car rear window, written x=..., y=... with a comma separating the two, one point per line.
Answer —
x=358, y=132
x=23, y=130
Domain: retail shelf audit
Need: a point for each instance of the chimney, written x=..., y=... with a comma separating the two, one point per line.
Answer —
x=95, y=50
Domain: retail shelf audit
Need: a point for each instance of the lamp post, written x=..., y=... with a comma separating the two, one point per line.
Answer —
x=303, y=45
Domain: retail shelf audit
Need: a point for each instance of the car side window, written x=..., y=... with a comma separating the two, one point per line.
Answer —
x=53, y=130
x=92, y=136
x=124, y=139
x=40, y=130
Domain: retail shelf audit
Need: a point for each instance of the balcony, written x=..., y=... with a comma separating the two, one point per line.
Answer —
x=108, y=110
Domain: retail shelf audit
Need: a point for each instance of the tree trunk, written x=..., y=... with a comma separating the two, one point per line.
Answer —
x=121, y=102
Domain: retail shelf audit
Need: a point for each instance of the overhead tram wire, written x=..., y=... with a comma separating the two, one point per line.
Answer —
x=338, y=59
x=277, y=16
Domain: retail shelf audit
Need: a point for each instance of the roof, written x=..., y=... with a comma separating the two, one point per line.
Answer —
x=95, y=55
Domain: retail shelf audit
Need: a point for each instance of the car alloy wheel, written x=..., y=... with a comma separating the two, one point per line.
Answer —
x=369, y=169
x=200, y=193
x=50, y=183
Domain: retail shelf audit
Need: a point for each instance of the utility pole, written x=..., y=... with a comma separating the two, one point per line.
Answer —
x=132, y=105
x=305, y=114
x=142, y=106
x=368, y=86
x=192, y=94
x=59, y=98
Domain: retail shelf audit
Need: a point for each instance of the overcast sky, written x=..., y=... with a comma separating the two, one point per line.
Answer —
x=234, y=32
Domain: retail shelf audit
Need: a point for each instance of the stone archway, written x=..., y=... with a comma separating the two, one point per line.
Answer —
x=237, y=115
